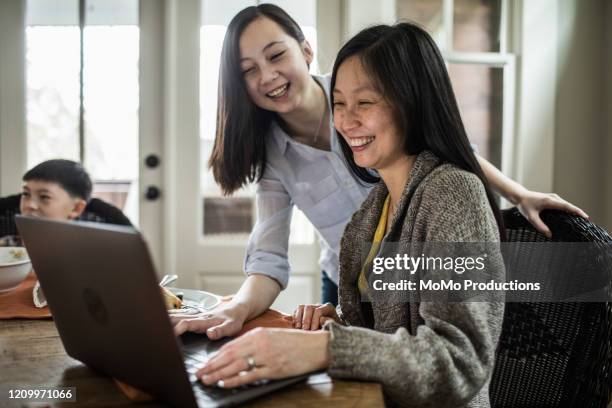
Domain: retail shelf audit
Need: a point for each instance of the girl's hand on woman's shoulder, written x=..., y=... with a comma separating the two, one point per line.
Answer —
x=530, y=203
x=312, y=317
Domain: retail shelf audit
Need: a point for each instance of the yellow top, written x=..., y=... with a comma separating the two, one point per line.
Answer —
x=362, y=283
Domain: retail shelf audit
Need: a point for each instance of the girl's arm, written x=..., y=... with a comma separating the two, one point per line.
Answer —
x=266, y=264
x=529, y=203
x=255, y=296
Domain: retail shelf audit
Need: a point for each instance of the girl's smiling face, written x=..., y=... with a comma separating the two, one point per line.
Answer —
x=274, y=66
x=365, y=119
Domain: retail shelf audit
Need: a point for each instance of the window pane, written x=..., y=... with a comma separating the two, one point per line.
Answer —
x=476, y=25
x=228, y=215
x=426, y=13
x=52, y=12
x=52, y=80
x=111, y=49
x=221, y=215
x=111, y=102
x=479, y=92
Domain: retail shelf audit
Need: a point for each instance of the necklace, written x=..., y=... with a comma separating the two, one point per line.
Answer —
x=316, y=136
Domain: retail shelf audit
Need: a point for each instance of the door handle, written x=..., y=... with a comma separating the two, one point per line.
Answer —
x=152, y=193
x=152, y=161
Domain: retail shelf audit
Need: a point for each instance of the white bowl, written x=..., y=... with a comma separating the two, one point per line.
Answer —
x=14, y=267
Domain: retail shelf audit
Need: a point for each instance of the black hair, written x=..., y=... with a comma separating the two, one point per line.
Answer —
x=70, y=175
x=408, y=69
x=239, y=152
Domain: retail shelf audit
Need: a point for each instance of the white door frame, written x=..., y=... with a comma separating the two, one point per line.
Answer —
x=151, y=126
x=181, y=137
x=13, y=146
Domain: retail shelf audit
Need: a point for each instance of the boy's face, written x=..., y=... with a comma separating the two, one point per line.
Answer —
x=49, y=200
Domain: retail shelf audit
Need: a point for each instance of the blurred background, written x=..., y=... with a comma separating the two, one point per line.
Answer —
x=129, y=88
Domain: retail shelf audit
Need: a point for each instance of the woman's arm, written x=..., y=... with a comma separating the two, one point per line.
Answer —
x=274, y=353
x=529, y=203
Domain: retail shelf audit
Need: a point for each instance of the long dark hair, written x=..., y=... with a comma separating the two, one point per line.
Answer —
x=406, y=64
x=239, y=152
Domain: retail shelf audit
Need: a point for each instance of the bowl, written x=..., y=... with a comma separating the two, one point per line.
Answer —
x=14, y=267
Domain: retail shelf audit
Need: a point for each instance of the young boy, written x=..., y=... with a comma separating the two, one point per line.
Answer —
x=57, y=189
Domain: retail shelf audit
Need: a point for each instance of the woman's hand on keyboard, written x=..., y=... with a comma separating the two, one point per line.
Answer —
x=266, y=354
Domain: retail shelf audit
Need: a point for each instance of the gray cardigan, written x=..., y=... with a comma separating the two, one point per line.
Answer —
x=424, y=354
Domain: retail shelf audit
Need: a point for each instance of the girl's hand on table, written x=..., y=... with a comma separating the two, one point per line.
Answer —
x=225, y=320
x=312, y=317
x=265, y=354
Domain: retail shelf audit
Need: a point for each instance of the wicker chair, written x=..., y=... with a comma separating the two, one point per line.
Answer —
x=96, y=211
x=554, y=354
x=101, y=211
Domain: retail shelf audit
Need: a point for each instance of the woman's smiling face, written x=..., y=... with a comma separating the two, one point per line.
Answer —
x=365, y=119
x=274, y=66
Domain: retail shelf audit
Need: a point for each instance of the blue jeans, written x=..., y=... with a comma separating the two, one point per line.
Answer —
x=329, y=290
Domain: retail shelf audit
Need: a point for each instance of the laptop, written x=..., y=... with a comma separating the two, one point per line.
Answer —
x=102, y=290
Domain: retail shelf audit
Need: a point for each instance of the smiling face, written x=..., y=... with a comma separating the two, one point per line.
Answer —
x=274, y=66
x=365, y=119
x=49, y=200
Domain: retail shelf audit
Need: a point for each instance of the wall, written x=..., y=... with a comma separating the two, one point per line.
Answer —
x=359, y=14
x=339, y=20
x=535, y=44
x=580, y=122
x=329, y=32
x=608, y=115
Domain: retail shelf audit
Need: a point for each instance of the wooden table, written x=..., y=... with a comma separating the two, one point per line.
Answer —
x=32, y=354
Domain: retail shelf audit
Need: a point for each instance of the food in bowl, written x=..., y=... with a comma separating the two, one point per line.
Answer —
x=14, y=267
x=18, y=254
x=170, y=299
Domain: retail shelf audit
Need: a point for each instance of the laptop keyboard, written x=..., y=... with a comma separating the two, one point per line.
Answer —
x=194, y=360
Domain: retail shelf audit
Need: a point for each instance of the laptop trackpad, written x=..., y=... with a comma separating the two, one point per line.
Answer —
x=200, y=343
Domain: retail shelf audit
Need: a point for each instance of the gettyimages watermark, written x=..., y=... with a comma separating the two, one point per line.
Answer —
x=510, y=272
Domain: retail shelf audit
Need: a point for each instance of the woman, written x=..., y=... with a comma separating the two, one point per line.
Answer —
x=394, y=107
x=274, y=127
